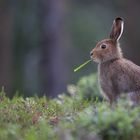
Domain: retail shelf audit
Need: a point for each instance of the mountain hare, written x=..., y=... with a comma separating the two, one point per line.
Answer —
x=116, y=74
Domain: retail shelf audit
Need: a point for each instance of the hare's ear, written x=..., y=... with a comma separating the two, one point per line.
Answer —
x=117, y=29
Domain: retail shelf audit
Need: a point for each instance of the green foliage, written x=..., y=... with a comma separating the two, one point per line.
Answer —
x=68, y=116
x=88, y=87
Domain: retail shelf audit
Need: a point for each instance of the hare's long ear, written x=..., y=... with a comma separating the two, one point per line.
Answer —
x=117, y=29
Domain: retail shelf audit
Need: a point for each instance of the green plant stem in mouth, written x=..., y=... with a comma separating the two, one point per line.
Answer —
x=82, y=65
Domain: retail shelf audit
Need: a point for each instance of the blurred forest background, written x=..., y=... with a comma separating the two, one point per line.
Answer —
x=42, y=41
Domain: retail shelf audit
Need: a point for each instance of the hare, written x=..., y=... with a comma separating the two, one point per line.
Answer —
x=116, y=74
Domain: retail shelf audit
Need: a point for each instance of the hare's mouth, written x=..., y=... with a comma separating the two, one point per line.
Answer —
x=95, y=60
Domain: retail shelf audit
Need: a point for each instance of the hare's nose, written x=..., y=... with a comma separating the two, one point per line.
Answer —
x=91, y=53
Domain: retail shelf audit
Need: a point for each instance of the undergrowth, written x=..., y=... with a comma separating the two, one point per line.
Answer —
x=77, y=115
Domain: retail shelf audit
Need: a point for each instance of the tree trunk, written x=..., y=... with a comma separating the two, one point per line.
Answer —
x=53, y=39
x=5, y=47
x=132, y=31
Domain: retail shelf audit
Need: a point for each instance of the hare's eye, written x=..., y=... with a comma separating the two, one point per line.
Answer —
x=103, y=46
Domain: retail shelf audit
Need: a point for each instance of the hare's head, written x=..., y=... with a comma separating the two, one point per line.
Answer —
x=108, y=49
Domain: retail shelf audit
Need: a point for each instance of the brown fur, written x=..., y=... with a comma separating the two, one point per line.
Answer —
x=116, y=74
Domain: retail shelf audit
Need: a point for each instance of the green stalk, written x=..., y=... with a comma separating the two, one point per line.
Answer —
x=82, y=65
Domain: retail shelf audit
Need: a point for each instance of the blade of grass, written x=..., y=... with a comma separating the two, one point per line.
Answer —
x=82, y=65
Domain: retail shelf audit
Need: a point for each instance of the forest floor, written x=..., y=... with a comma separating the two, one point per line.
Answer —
x=70, y=116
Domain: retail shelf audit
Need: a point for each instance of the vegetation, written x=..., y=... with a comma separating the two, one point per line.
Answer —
x=71, y=116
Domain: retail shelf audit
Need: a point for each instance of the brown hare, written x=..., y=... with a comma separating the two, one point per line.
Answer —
x=116, y=74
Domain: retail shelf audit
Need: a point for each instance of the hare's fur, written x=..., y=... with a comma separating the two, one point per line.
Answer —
x=119, y=76
x=116, y=74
